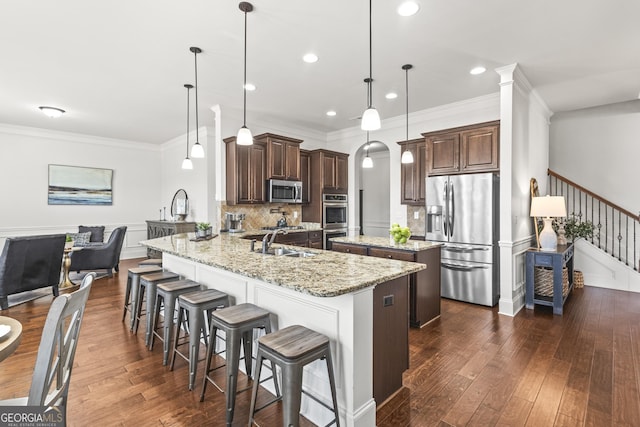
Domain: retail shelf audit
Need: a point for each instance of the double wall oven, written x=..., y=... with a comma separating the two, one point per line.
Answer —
x=334, y=217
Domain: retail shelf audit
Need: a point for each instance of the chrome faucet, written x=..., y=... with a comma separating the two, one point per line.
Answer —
x=266, y=242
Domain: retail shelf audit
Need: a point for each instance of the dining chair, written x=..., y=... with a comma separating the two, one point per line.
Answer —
x=52, y=371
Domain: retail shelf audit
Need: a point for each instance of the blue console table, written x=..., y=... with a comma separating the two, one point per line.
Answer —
x=563, y=256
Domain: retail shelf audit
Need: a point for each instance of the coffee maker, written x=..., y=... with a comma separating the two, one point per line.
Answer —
x=233, y=222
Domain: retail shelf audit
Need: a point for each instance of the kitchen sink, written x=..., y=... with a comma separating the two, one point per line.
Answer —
x=289, y=253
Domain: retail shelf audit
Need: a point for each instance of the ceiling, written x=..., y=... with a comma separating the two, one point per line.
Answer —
x=118, y=67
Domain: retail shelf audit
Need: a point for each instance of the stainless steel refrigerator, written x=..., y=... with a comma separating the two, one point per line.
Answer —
x=462, y=213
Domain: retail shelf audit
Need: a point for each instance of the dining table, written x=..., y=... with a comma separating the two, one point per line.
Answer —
x=10, y=336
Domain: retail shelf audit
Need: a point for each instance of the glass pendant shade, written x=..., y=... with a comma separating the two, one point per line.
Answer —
x=244, y=136
x=367, y=162
x=407, y=157
x=370, y=119
x=187, y=164
x=197, y=151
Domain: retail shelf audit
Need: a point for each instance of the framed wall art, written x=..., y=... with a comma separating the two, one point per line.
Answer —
x=74, y=185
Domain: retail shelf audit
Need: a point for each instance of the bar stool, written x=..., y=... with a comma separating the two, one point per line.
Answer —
x=167, y=294
x=131, y=292
x=196, y=308
x=238, y=323
x=292, y=348
x=156, y=262
x=148, y=284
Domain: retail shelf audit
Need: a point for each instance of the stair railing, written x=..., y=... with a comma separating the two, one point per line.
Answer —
x=616, y=229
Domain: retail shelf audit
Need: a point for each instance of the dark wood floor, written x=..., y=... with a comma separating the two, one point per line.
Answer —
x=471, y=367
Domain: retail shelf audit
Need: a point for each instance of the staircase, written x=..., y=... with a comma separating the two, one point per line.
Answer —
x=616, y=230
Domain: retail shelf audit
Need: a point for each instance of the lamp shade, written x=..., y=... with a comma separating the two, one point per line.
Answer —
x=367, y=162
x=197, y=151
x=407, y=157
x=370, y=119
x=187, y=164
x=244, y=136
x=548, y=207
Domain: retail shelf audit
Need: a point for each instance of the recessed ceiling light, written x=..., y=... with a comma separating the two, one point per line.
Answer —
x=310, y=58
x=408, y=8
x=250, y=86
x=391, y=95
x=477, y=70
x=52, y=111
x=331, y=113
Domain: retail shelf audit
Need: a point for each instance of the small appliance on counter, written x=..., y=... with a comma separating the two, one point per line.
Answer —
x=233, y=222
x=282, y=222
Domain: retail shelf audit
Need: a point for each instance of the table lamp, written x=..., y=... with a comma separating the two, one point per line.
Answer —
x=548, y=207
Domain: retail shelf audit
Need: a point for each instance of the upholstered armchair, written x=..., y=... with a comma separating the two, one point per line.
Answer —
x=30, y=262
x=100, y=256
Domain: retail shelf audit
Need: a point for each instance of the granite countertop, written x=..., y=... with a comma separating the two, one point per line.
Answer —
x=387, y=242
x=326, y=274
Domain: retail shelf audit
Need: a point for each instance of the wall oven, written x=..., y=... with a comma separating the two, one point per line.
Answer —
x=334, y=217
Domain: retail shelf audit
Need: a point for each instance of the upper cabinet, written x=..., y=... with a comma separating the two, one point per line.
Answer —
x=246, y=172
x=283, y=156
x=328, y=173
x=413, y=174
x=334, y=171
x=305, y=174
x=463, y=150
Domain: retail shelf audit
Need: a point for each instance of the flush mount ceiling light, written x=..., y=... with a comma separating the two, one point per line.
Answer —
x=187, y=163
x=370, y=117
x=197, y=151
x=407, y=156
x=367, y=162
x=331, y=113
x=52, y=111
x=310, y=58
x=244, y=134
x=408, y=8
x=477, y=70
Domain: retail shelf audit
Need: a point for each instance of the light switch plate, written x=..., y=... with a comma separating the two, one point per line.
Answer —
x=416, y=215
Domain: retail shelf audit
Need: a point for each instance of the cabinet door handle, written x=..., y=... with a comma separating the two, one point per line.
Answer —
x=389, y=256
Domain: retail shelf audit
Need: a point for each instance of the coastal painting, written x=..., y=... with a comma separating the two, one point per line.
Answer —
x=74, y=185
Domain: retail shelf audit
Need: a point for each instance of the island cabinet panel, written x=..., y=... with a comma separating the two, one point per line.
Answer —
x=467, y=149
x=424, y=286
x=246, y=172
x=315, y=239
x=390, y=337
x=283, y=156
x=412, y=175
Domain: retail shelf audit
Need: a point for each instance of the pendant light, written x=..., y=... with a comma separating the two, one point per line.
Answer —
x=367, y=162
x=187, y=163
x=407, y=156
x=244, y=134
x=197, y=151
x=370, y=117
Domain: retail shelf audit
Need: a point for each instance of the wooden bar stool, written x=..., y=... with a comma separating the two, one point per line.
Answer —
x=196, y=308
x=292, y=348
x=155, y=262
x=147, y=287
x=131, y=291
x=238, y=323
x=167, y=295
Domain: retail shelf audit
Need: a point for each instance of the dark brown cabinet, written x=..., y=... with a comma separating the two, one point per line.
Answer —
x=246, y=172
x=466, y=149
x=329, y=173
x=424, y=286
x=305, y=174
x=315, y=239
x=412, y=175
x=283, y=156
x=310, y=239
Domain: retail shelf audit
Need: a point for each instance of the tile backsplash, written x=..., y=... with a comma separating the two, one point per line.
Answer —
x=417, y=226
x=263, y=215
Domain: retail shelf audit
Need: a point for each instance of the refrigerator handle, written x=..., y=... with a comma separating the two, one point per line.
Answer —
x=452, y=213
x=446, y=209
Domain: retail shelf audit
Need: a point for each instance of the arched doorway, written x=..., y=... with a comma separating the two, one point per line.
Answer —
x=372, y=200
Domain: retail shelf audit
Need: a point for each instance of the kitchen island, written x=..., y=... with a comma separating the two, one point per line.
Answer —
x=339, y=295
x=425, y=285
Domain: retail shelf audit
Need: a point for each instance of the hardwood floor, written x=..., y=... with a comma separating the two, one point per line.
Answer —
x=471, y=367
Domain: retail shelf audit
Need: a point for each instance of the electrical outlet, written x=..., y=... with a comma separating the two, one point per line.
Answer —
x=295, y=214
x=416, y=215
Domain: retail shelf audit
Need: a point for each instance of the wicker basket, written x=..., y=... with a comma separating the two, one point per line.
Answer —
x=578, y=279
x=543, y=282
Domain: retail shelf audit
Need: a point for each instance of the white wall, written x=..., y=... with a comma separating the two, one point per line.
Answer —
x=598, y=148
x=25, y=154
x=374, y=183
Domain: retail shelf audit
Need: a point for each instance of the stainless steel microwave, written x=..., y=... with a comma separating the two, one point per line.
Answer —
x=280, y=191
